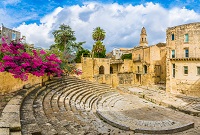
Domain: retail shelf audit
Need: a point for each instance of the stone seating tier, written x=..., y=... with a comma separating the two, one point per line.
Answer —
x=68, y=106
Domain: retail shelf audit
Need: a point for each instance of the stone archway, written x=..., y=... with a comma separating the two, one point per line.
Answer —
x=101, y=70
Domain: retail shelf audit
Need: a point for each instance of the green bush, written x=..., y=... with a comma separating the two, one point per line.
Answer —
x=126, y=56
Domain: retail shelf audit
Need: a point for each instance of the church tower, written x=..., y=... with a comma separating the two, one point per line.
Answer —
x=143, y=37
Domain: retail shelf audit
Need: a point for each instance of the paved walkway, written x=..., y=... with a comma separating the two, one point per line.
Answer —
x=186, y=104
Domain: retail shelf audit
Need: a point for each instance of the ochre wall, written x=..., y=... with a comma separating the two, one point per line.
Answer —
x=115, y=79
x=10, y=84
x=187, y=84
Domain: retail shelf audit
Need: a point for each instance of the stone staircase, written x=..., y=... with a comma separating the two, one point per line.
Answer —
x=70, y=106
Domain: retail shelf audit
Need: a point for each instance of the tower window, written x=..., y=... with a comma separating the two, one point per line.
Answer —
x=173, y=53
x=198, y=70
x=186, y=38
x=173, y=70
x=186, y=53
x=172, y=36
x=185, y=70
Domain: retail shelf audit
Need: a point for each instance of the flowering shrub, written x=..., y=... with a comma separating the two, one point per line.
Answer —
x=18, y=62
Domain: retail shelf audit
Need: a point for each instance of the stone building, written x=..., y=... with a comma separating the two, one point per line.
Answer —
x=12, y=35
x=183, y=59
x=176, y=63
x=147, y=66
x=148, y=62
x=118, y=52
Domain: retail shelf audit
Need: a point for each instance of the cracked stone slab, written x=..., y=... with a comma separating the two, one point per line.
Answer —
x=12, y=120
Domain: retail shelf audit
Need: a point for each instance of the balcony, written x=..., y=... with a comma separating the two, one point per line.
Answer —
x=137, y=59
x=116, y=61
x=186, y=57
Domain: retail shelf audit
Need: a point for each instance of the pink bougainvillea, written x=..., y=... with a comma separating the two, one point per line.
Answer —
x=18, y=62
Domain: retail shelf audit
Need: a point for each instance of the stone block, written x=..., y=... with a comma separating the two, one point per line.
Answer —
x=4, y=131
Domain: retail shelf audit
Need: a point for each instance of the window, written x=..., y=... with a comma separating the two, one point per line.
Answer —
x=173, y=70
x=173, y=53
x=138, y=68
x=186, y=53
x=186, y=38
x=101, y=70
x=145, y=69
x=13, y=36
x=185, y=70
x=172, y=36
x=111, y=70
x=138, y=56
x=198, y=70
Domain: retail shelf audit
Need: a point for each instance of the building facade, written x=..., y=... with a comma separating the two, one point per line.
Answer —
x=175, y=63
x=149, y=62
x=11, y=35
x=183, y=59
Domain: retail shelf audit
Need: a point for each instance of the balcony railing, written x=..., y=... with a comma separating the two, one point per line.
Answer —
x=192, y=56
x=116, y=61
x=137, y=59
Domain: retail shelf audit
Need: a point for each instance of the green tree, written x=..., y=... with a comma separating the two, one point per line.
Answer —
x=99, y=49
x=65, y=39
x=84, y=52
x=98, y=34
x=126, y=56
x=65, y=46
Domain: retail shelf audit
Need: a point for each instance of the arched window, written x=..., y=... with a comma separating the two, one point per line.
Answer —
x=101, y=70
x=111, y=70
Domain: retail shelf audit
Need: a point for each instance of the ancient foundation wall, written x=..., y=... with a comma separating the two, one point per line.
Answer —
x=115, y=79
x=10, y=84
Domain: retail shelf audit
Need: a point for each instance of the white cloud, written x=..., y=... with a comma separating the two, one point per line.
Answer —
x=9, y=2
x=122, y=23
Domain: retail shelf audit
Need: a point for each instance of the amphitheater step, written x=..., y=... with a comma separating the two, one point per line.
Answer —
x=111, y=109
x=11, y=113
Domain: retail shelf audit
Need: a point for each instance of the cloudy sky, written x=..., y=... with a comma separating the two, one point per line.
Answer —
x=121, y=19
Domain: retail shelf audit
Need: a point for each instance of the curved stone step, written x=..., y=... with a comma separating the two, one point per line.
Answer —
x=41, y=116
x=28, y=121
x=10, y=118
x=51, y=111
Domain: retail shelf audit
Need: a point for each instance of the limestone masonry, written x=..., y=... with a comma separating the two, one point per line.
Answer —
x=175, y=64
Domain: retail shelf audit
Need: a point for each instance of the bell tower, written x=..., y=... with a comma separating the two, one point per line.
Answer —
x=143, y=37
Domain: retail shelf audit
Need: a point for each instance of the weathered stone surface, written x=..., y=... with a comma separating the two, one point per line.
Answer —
x=4, y=131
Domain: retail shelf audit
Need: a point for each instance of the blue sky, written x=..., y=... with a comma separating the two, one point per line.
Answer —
x=121, y=19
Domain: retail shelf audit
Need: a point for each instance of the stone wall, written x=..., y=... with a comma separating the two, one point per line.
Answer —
x=115, y=79
x=183, y=83
x=127, y=66
x=10, y=84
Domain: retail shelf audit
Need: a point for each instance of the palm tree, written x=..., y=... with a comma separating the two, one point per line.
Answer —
x=98, y=34
x=99, y=49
